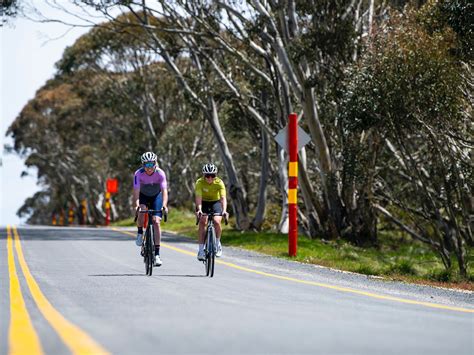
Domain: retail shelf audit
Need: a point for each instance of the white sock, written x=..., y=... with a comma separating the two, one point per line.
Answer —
x=201, y=247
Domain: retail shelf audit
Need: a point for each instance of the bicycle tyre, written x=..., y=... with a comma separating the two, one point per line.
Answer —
x=212, y=251
x=207, y=261
x=211, y=268
x=151, y=251
x=148, y=256
x=206, y=265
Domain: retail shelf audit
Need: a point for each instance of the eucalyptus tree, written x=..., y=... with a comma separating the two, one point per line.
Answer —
x=282, y=37
x=111, y=51
x=410, y=95
x=197, y=29
x=246, y=93
x=53, y=136
x=248, y=77
x=278, y=36
x=254, y=29
x=136, y=85
x=202, y=96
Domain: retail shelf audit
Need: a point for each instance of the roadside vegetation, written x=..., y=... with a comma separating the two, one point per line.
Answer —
x=383, y=87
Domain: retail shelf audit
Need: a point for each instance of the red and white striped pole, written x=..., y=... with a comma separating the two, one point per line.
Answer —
x=293, y=184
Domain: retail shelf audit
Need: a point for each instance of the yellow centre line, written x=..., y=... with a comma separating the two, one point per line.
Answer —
x=21, y=334
x=76, y=339
x=319, y=284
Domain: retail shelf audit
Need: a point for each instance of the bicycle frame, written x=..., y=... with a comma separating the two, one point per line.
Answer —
x=210, y=246
x=149, y=243
x=210, y=243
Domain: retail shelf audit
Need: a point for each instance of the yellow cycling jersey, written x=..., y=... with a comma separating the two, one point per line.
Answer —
x=210, y=192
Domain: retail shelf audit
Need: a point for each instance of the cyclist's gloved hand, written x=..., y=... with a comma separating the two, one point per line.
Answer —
x=165, y=209
x=198, y=214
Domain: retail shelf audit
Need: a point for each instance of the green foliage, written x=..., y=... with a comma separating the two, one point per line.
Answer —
x=406, y=77
x=402, y=267
x=458, y=15
x=408, y=91
x=366, y=270
x=440, y=275
x=324, y=38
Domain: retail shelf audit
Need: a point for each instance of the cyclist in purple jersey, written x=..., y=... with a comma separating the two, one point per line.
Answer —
x=150, y=190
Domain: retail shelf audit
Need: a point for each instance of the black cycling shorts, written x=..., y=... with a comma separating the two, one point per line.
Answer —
x=152, y=202
x=212, y=206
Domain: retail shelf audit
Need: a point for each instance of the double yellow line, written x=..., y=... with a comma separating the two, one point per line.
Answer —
x=22, y=337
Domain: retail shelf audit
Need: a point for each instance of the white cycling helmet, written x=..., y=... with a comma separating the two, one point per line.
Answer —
x=149, y=157
x=209, y=169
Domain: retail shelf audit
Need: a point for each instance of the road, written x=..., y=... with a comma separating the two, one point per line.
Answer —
x=84, y=290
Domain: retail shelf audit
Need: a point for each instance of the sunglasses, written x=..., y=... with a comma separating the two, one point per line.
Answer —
x=210, y=175
x=149, y=165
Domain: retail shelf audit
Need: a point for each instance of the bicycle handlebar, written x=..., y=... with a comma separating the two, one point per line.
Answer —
x=165, y=214
x=226, y=221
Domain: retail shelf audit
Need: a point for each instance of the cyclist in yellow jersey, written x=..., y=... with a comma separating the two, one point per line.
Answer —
x=210, y=196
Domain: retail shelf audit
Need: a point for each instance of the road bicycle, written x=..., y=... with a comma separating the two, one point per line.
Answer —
x=148, y=251
x=210, y=245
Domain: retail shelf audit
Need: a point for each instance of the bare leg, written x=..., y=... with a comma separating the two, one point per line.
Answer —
x=217, y=225
x=141, y=217
x=202, y=230
x=157, y=230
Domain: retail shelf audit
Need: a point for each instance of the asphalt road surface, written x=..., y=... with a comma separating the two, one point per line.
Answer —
x=84, y=290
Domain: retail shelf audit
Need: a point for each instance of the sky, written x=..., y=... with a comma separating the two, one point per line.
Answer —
x=29, y=51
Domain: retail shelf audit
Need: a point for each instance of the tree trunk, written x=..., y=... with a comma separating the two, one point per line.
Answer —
x=362, y=218
x=262, y=191
x=236, y=189
x=283, y=226
x=313, y=209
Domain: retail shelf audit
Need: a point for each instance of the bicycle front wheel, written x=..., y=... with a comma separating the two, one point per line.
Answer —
x=206, y=265
x=149, y=252
x=211, y=253
x=212, y=259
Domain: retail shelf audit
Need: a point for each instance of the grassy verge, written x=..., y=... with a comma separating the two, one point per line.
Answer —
x=395, y=259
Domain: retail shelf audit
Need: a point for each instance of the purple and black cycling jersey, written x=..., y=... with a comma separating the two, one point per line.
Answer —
x=150, y=185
